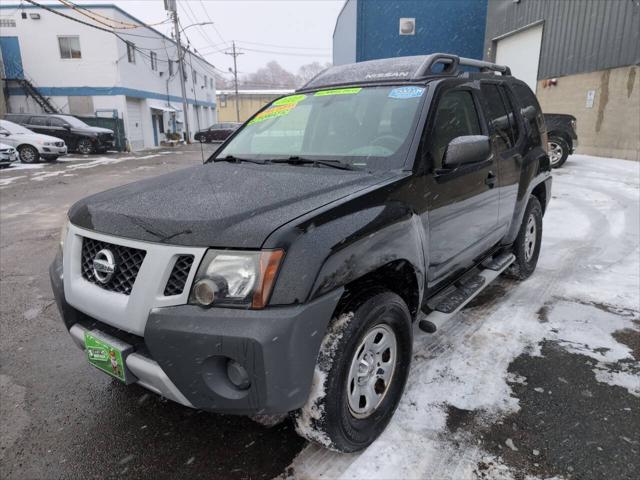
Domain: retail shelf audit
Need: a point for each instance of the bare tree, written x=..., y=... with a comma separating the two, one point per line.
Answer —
x=272, y=75
x=308, y=71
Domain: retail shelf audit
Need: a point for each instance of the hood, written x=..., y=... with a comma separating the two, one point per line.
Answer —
x=35, y=137
x=218, y=204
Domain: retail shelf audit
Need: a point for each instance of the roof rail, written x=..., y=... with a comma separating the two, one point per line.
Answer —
x=450, y=65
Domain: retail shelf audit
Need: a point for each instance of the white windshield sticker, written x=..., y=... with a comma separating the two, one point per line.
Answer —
x=406, y=92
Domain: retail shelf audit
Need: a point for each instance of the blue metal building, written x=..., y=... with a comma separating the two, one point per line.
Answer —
x=371, y=29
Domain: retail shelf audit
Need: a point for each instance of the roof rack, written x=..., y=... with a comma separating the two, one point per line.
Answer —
x=450, y=65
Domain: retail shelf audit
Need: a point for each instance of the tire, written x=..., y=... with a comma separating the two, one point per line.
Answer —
x=558, y=151
x=84, y=146
x=28, y=154
x=527, y=245
x=329, y=417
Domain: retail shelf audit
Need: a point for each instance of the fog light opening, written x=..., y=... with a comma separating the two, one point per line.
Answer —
x=205, y=291
x=238, y=375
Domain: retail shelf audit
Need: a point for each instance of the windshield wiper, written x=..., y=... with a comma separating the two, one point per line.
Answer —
x=296, y=160
x=231, y=158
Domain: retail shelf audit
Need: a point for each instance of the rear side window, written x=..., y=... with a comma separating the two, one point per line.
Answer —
x=56, y=122
x=40, y=121
x=530, y=111
x=456, y=116
x=502, y=134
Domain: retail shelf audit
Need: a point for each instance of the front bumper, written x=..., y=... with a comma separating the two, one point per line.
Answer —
x=184, y=352
x=7, y=158
x=53, y=151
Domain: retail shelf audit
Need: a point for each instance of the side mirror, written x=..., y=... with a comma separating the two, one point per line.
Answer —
x=66, y=126
x=529, y=112
x=467, y=149
x=4, y=133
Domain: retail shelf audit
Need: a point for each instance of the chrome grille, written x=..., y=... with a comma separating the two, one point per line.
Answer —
x=179, y=274
x=128, y=263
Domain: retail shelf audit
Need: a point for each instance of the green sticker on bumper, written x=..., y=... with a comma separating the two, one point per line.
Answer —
x=338, y=91
x=104, y=356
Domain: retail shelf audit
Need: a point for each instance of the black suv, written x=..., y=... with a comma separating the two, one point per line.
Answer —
x=78, y=136
x=563, y=137
x=287, y=273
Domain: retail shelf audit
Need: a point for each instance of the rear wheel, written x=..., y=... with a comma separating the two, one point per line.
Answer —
x=558, y=151
x=85, y=146
x=527, y=245
x=28, y=154
x=360, y=375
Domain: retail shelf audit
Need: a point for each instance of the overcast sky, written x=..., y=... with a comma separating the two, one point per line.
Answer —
x=299, y=31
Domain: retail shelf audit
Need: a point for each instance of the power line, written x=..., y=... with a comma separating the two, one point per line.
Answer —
x=283, y=46
x=289, y=54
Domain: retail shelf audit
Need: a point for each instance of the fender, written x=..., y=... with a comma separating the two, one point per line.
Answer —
x=329, y=249
x=535, y=170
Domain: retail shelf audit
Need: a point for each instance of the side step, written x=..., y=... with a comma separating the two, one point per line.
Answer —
x=453, y=299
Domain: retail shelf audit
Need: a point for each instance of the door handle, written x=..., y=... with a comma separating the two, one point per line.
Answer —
x=491, y=179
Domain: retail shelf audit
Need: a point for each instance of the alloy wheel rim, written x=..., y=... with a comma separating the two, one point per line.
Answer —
x=27, y=155
x=530, y=238
x=84, y=147
x=555, y=153
x=372, y=368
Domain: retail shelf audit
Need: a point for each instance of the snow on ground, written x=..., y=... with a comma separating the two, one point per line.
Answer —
x=67, y=164
x=586, y=288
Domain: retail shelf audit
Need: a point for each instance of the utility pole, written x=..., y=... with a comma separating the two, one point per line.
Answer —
x=235, y=54
x=171, y=6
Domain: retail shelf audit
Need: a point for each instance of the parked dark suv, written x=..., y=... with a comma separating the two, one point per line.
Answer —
x=218, y=132
x=287, y=273
x=563, y=137
x=78, y=136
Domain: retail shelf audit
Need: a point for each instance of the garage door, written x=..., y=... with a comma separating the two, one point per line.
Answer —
x=521, y=52
x=135, y=134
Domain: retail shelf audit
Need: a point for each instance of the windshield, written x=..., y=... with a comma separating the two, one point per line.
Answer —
x=73, y=121
x=14, y=128
x=366, y=127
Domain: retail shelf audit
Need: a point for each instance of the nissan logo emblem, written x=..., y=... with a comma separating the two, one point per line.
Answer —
x=104, y=265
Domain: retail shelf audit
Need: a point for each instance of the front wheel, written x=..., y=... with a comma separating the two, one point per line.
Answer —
x=361, y=372
x=558, y=151
x=85, y=146
x=527, y=245
x=28, y=154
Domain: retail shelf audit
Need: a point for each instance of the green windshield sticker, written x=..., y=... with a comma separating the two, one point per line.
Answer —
x=291, y=99
x=272, y=112
x=339, y=91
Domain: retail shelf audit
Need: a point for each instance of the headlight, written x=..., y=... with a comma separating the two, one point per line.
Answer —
x=232, y=278
x=49, y=144
x=63, y=232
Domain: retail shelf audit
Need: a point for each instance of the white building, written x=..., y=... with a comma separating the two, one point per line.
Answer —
x=82, y=70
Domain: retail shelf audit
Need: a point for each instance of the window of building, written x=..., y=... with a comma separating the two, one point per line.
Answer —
x=154, y=61
x=131, y=52
x=69, y=47
x=211, y=83
x=456, y=116
x=7, y=22
x=223, y=101
x=170, y=67
x=205, y=81
x=195, y=76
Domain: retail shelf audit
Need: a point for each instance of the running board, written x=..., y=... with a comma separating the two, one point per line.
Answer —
x=447, y=304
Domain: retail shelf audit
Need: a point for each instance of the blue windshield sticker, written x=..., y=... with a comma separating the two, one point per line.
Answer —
x=406, y=92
